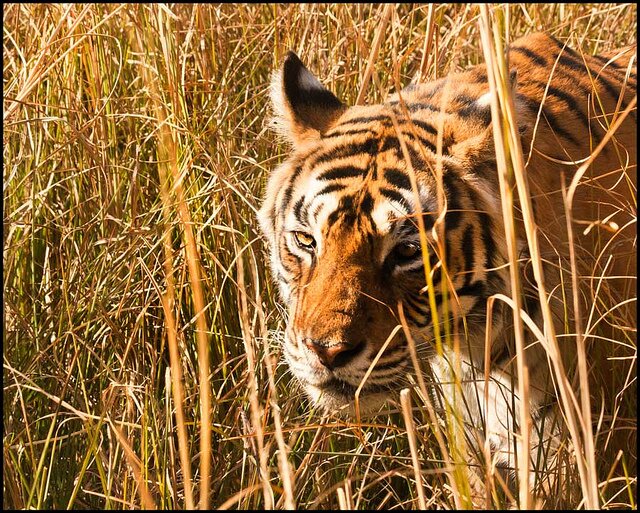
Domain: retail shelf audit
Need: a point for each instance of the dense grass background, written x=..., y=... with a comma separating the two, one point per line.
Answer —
x=136, y=289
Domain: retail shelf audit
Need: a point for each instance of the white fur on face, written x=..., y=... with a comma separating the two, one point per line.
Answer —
x=484, y=100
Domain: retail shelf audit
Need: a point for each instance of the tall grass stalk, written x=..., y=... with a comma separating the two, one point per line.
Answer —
x=506, y=146
x=192, y=253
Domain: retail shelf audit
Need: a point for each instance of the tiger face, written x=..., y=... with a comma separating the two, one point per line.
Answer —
x=393, y=210
x=343, y=217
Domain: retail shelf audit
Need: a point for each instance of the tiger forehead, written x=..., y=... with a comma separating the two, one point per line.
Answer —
x=428, y=121
x=363, y=193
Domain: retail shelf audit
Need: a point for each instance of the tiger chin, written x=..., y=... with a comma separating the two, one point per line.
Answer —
x=344, y=214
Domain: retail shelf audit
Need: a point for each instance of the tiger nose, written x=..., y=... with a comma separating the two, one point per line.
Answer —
x=333, y=355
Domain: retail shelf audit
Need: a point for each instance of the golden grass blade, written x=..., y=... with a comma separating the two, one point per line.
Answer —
x=375, y=48
x=167, y=157
x=428, y=43
x=342, y=500
x=370, y=370
x=405, y=401
x=425, y=397
x=193, y=262
x=499, y=91
x=252, y=385
x=286, y=471
x=135, y=465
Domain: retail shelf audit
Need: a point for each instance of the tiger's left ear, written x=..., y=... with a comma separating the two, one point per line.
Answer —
x=303, y=107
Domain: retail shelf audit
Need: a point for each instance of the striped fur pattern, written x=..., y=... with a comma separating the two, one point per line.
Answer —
x=341, y=220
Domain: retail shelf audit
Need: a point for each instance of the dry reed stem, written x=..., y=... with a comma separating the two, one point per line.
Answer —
x=168, y=305
x=375, y=47
x=342, y=500
x=500, y=98
x=135, y=464
x=370, y=370
x=286, y=472
x=428, y=42
x=193, y=262
x=165, y=144
x=449, y=467
x=405, y=401
x=585, y=399
x=252, y=385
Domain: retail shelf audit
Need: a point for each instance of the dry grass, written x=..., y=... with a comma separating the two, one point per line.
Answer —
x=141, y=328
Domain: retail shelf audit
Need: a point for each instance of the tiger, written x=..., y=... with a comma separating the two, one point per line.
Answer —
x=343, y=215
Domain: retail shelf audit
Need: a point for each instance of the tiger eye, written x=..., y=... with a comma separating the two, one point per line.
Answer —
x=407, y=250
x=304, y=239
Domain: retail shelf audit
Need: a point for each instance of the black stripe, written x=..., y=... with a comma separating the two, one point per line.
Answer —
x=478, y=74
x=538, y=59
x=368, y=147
x=568, y=99
x=365, y=119
x=352, y=131
x=338, y=173
x=454, y=208
x=477, y=288
x=430, y=129
x=419, y=304
x=487, y=239
x=400, y=361
x=394, y=195
x=410, y=224
x=286, y=198
x=331, y=188
x=428, y=219
x=612, y=90
x=345, y=210
x=428, y=319
x=573, y=63
x=298, y=213
x=417, y=106
x=614, y=68
x=468, y=251
x=366, y=204
x=390, y=143
x=471, y=109
x=417, y=138
x=417, y=161
x=316, y=211
x=288, y=269
x=551, y=120
x=397, y=178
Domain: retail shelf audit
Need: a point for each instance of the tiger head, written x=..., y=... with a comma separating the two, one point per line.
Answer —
x=342, y=217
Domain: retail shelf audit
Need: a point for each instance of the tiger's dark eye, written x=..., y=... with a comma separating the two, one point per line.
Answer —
x=406, y=250
x=304, y=240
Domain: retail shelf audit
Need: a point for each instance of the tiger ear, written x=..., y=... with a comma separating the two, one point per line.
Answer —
x=303, y=107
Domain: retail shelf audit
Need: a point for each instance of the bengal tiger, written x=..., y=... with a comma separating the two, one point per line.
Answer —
x=341, y=219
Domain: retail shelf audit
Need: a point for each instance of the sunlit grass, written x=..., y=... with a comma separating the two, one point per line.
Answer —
x=138, y=307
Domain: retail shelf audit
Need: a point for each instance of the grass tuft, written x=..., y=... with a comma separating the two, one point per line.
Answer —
x=141, y=326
